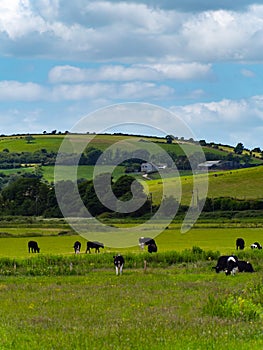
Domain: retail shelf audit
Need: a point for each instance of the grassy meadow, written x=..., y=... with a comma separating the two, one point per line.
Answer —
x=244, y=183
x=59, y=300
x=184, y=307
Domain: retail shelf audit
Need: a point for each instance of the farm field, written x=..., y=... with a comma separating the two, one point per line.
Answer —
x=18, y=143
x=241, y=183
x=216, y=238
x=173, y=304
x=184, y=308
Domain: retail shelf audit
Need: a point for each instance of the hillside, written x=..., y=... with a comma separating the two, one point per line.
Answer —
x=244, y=183
x=18, y=143
x=241, y=183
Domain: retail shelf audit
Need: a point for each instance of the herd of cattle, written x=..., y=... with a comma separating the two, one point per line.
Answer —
x=230, y=263
x=227, y=263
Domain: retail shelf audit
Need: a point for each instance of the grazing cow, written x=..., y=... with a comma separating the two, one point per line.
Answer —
x=244, y=266
x=77, y=246
x=256, y=245
x=94, y=245
x=232, y=266
x=240, y=243
x=118, y=263
x=239, y=266
x=33, y=247
x=224, y=262
x=152, y=248
x=143, y=241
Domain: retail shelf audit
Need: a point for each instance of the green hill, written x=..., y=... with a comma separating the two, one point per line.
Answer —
x=244, y=183
x=18, y=143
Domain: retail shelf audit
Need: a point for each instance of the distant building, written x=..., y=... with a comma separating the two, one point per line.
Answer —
x=149, y=168
x=218, y=165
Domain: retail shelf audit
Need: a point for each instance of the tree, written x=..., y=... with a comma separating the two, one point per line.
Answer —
x=246, y=158
x=169, y=139
x=239, y=148
x=256, y=150
x=202, y=143
x=29, y=138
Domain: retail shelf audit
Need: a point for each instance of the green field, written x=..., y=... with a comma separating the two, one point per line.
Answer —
x=52, y=142
x=240, y=183
x=184, y=307
x=219, y=238
x=59, y=300
x=19, y=143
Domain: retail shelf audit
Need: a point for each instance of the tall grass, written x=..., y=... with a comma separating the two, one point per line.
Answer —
x=49, y=265
x=245, y=305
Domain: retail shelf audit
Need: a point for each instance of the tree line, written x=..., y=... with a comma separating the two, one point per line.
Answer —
x=29, y=195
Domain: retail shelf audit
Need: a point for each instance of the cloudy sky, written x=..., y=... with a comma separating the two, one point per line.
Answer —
x=61, y=60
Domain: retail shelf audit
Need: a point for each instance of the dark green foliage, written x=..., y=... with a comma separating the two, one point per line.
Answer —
x=239, y=148
x=231, y=204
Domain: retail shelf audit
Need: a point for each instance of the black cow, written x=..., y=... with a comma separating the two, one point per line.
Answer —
x=244, y=266
x=256, y=245
x=152, y=248
x=240, y=243
x=240, y=266
x=224, y=262
x=33, y=247
x=144, y=241
x=118, y=263
x=77, y=246
x=94, y=245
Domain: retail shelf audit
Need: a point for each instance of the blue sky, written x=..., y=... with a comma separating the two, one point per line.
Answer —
x=201, y=60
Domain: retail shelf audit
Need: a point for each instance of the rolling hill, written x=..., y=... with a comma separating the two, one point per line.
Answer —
x=246, y=183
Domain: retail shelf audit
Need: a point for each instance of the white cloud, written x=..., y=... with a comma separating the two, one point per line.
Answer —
x=154, y=72
x=131, y=32
x=126, y=91
x=247, y=73
x=16, y=91
x=29, y=92
x=225, y=120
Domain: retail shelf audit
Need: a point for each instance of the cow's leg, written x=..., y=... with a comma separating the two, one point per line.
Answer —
x=117, y=270
x=121, y=266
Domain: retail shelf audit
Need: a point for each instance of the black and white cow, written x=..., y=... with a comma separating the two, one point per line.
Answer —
x=224, y=262
x=94, y=245
x=33, y=247
x=143, y=241
x=118, y=263
x=240, y=243
x=239, y=266
x=231, y=266
x=256, y=245
x=77, y=246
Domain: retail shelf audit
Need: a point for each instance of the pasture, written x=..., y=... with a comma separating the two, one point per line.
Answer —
x=13, y=243
x=59, y=300
x=184, y=307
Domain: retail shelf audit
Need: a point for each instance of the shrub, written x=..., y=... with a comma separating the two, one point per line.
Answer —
x=247, y=306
